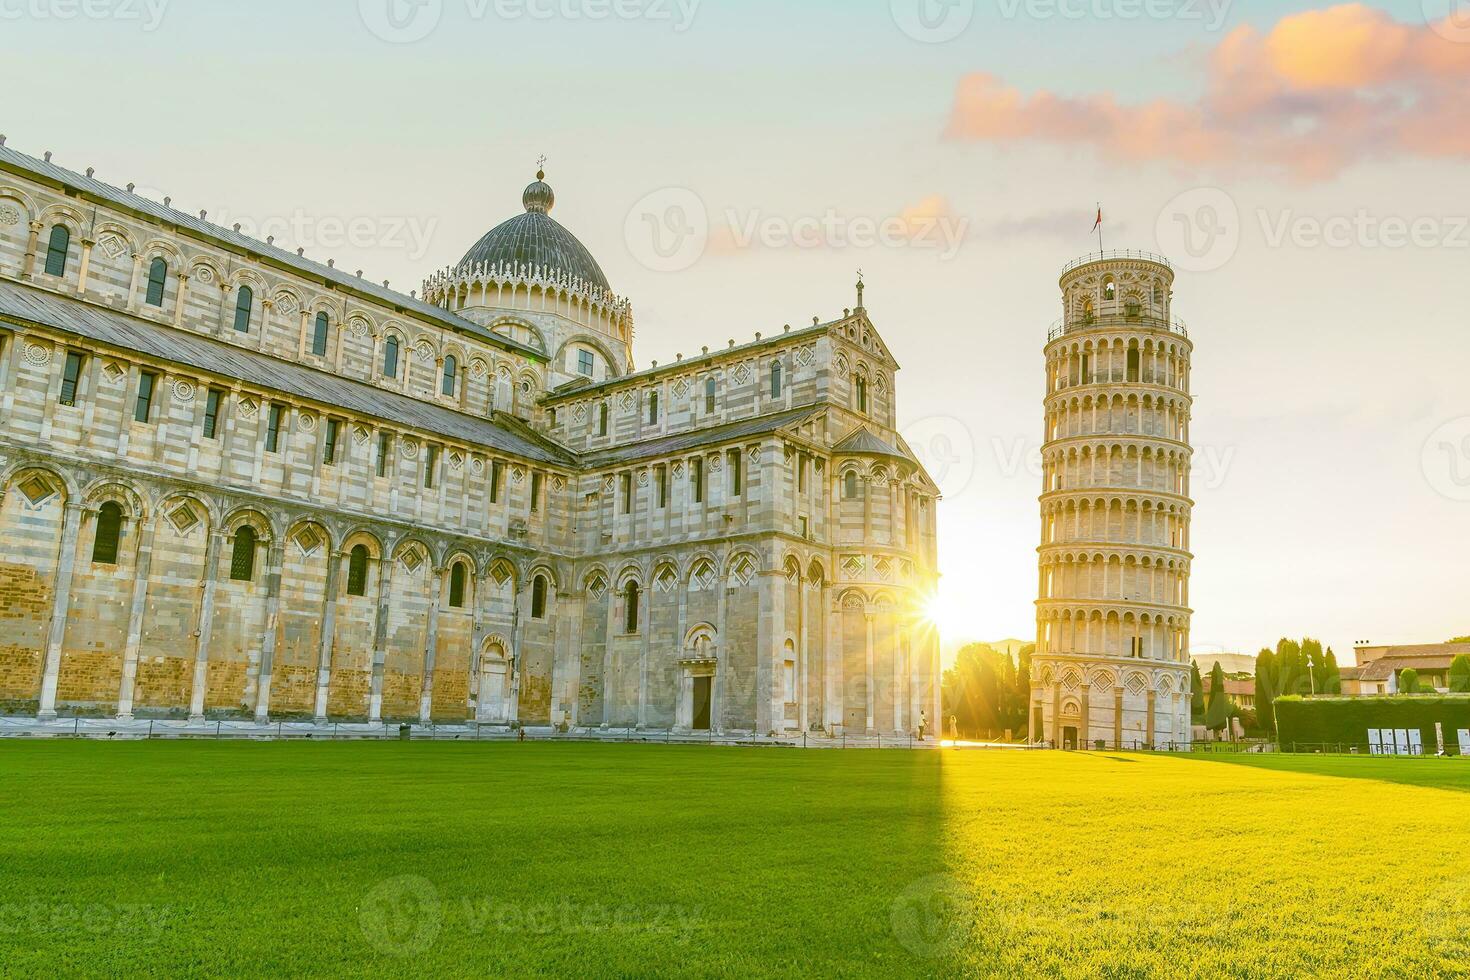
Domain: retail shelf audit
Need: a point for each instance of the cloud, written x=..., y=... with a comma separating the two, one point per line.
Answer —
x=1320, y=91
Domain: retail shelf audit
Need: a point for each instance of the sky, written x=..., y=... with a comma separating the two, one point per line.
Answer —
x=733, y=163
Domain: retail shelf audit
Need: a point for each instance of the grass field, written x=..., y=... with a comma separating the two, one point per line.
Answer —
x=183, y=858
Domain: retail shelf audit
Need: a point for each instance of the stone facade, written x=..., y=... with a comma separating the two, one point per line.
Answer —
x=238, y=483
x=1112, y=655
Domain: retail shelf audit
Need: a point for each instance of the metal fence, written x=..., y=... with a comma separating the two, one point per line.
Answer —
x=221, y=729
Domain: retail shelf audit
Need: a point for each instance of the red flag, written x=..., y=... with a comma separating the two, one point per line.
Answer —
x=1098, y=223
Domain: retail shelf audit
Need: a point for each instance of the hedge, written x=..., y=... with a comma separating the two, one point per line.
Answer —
x=1345, y=721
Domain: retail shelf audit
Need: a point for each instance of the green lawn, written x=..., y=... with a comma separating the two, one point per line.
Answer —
x=418, y=859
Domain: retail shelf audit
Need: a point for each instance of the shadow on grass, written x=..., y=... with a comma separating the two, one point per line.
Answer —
x=1431, y=773
x=504, y=859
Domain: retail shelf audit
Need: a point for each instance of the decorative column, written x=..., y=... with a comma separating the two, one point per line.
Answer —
x=329, y=636
x=266, y=306
x=1056, y=714
x=277, y=557
x=181, y=298
x=832, y=661
x=142, y=561
x=133, y=286
x=803, y=651
x=607, y=656
x=1084, y=731
x=60, y=603
x=431, y=648
x=897, y=646
x=770, y=709
x=872, y=675
x=645, y=601
x=86, y=265
x=209, y=582
x=1118, y=716
x=380, y=639
x=1150, y=729
x=28, y=268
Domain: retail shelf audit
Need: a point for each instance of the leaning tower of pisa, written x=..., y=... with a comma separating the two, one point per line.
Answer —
x=1112, y=646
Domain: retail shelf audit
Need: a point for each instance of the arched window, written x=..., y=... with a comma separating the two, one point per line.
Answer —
x=56, y=250
x=451, y=374
x=390, y=358
x=242, y=559
x=319, y=336
x=538, y=597
x=244, y=305
x=157, y=279
x=357, y=568
x=1110, y=289
x=602, y=419
x=109, y=530
x=850, y=485
x=862, y=394
x=709, y=396
x=456, y=586
x=653, y=408
x=630, y=607
x=775, y=379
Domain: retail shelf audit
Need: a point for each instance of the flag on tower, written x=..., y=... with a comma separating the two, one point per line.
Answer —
x=1098, y=223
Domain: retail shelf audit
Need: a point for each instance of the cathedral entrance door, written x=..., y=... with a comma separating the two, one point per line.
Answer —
x=1069, y=738
x=701, y=703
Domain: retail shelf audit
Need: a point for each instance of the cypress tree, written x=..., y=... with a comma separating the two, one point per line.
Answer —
x=1409, y=681
x=1217, y=714
x=1332, y=679
x=1266, y=680
x=1460, y=674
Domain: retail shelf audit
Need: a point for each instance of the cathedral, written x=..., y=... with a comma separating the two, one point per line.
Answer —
x=242, y=485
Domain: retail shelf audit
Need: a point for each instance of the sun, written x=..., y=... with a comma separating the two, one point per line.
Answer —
x=943, y=612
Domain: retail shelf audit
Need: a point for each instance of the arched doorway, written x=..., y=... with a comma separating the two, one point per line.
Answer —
x=696, y=710
x=495, y=678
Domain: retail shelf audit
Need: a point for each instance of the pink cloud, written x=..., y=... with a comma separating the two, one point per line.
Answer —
x=1321, y=90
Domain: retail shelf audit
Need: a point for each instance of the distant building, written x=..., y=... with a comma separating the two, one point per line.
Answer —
x=1231, y=663
x=1379, y=667
x=1242, y=693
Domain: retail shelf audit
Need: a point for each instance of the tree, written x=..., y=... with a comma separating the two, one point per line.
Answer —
x=986, y=691
x=1460, y=674
x=1409, y=681
x=1461, y=639
x=1291, y=670
x=1197, y=696
x=1331, y=675
x=1021, y=698
x=1217, y=713
x=1266, y=689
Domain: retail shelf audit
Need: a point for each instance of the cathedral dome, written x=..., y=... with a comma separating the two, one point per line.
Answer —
x=536, y=239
